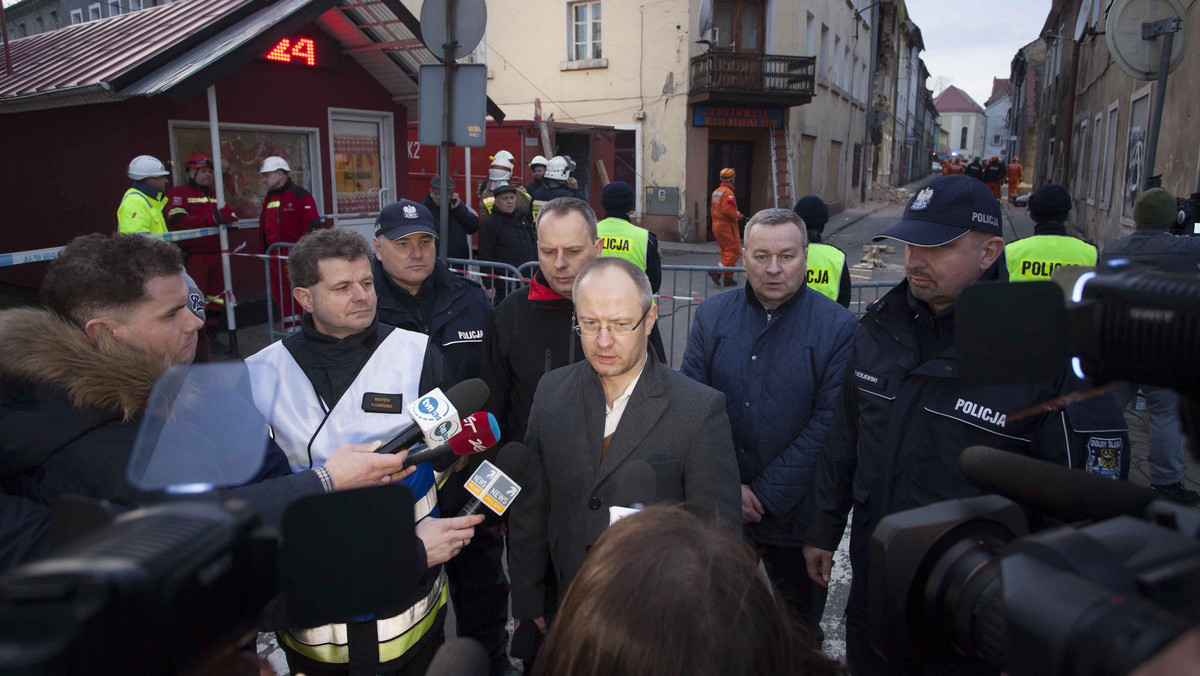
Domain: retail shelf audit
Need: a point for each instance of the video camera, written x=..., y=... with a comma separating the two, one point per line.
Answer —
x=162, y=588
x=1099, y=596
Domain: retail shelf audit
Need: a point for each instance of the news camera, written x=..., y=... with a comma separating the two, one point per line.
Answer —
x=1116, y=584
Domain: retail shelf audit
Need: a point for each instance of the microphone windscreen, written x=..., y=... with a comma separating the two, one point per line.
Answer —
x=1008, y=332
x=459, y=657
x=1063, y=493
x=480, y=431
x=514, y=460
x=637, y=483
x=469, y=395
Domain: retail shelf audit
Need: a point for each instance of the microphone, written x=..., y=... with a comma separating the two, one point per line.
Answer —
x=1063, y=493
x=469, y=395
x=459, y=657
x=637, y=486
x=480, y=431
x=512, y=461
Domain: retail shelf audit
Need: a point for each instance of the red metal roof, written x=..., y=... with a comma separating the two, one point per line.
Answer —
x=94, y=52
x=955, y=100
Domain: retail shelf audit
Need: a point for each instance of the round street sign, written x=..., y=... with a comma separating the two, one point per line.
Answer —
x=1137, y=57
x=470, y=19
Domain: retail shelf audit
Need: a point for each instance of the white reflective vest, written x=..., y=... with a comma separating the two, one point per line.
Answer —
x=307, y=429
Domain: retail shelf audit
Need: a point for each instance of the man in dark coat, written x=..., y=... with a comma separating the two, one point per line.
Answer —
x=506, y=236
x=777, y=350
x=592, y=419
x=463, y=221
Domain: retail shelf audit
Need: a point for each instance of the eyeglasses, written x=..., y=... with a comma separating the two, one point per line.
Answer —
x=592, y=328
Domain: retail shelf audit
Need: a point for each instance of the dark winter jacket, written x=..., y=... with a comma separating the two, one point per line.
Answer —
x=975, y=170
x=904, y=416
x=529, y=335
x=70, y=410
x=781, y=372
x=462, y=223
x=507, y=238
x=993, y=173
x=457, y=316
x=1158, y=249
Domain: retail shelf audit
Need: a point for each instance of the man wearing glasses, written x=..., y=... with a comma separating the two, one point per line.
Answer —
x=591, y=419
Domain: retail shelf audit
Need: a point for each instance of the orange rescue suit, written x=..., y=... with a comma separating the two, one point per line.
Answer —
x=725, y=216
x=1014, y=178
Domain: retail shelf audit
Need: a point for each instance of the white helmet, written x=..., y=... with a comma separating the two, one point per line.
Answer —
x=272, y=163
x=504, y=155
x=502, y=167
x=537, y=161
x=558, y=169
x=146, y=166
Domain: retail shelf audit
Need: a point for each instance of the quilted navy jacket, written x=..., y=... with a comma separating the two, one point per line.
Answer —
x=781, y=372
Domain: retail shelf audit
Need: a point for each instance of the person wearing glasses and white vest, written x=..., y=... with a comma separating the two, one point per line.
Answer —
x=345, y=377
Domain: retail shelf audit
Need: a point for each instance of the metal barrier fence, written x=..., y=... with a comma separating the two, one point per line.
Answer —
x=279, y=289
x=500, y=279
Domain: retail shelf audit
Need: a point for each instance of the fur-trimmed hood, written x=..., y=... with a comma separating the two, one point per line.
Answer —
x=41, y=349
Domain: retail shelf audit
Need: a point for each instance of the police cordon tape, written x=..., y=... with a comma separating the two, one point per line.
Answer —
x=42, y=255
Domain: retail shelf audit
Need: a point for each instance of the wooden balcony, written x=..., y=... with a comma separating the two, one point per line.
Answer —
x=752, y=79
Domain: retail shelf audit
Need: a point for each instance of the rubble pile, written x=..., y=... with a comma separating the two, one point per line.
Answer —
x=886, y=193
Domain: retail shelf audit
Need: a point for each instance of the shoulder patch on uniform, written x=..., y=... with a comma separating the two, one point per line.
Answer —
x=1104, y=456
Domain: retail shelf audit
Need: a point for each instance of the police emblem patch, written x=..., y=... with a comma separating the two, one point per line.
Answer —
x=1104, y=456
x=921, y=200
x=410, y=211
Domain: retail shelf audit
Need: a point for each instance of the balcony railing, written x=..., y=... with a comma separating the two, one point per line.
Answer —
x=726, y=77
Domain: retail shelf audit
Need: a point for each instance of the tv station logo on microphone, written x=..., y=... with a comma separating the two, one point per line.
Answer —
x=492, y=487
x=431, y=408
x=444, y=430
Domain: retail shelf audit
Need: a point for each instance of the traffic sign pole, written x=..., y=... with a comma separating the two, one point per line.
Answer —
x=444, y=148
x=1166, y=28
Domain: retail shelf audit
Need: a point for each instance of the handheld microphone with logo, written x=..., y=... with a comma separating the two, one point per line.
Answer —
x=480, y=431
x=1063, y=493
x=495, y=485
x=637, y=486
x=469, y=395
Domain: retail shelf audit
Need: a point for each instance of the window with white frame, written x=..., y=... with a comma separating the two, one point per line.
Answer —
x=135, y=5
x=835, y=72
x=1097, y=150
x=1110, y=154
x=1135, y=151
x=584, y=39
x=810, y=34
x=1085, y=151
x=114, y=7
x=76, y=16
x=94, y=11
x=823, y=62
x=846, y=72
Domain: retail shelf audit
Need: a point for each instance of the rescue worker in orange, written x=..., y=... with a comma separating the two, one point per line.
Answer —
x=725, y=217
x=993, y=174
x=192, y=206
x=1014, y=177
x=955, y=167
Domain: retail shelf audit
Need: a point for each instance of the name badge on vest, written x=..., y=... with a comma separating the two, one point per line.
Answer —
x=378, y=402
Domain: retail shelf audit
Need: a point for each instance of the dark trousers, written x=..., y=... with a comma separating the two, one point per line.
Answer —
x=789, y=576
x=479, y=591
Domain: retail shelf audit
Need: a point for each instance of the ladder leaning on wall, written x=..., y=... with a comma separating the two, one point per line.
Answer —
x=781, y=167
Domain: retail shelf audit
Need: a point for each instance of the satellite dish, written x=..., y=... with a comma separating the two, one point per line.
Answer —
x=1137, y=57
x=706, y=24
x=470, y=20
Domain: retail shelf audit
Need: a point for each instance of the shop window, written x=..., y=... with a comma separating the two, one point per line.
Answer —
x=243, y=148
x=584, y=40
x=1110, y=154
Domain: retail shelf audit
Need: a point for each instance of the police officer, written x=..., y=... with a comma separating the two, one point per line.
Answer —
x=1035, y=258
x=621, y=238
x=993, y=174
x=975, y=169
x=904, y=415
x=418, y=293
x=141, y=208
x=827, y=270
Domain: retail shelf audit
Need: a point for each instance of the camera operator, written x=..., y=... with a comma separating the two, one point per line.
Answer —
x=344, y=373
x=1152, y=245
x=75, y=378
x=904, y=416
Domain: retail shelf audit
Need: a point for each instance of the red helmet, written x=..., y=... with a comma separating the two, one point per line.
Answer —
x=196, y=161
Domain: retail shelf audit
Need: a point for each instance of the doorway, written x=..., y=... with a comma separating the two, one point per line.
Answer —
x=739, y=156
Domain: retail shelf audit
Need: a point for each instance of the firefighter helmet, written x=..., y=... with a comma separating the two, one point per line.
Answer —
x=272, y=163
x=557, y=169
x=727, y=174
